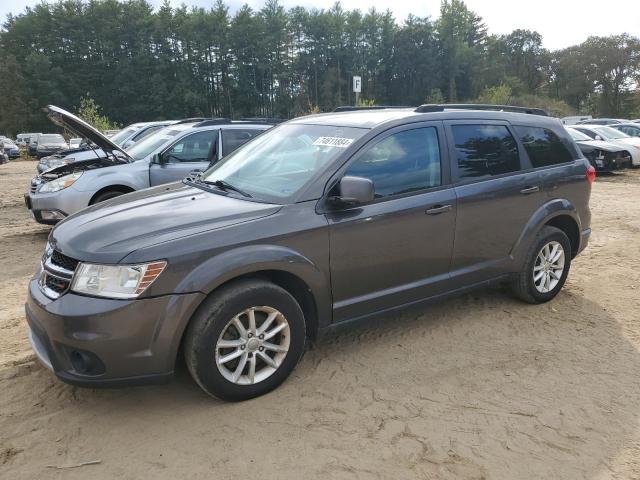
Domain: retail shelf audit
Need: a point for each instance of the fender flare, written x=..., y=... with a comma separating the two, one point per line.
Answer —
x=548, y=211
x=257, y=258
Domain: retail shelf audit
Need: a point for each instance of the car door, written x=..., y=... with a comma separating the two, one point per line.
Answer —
x=497, y=193
x=193, y=152
x=397, y=249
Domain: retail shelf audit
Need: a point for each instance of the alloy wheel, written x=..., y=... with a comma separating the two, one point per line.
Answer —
x=549, y=266
x=252, y=345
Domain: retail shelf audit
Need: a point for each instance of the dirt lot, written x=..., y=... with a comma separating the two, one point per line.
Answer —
x=481, y=386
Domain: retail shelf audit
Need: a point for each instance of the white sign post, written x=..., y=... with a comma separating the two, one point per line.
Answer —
x=357, y=87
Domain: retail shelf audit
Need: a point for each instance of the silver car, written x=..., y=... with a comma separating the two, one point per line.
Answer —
x=166, y=156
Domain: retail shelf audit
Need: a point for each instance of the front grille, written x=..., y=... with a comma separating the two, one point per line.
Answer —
x=63, y=261
x=34, y=187
x=57, y=273
x=55, y=284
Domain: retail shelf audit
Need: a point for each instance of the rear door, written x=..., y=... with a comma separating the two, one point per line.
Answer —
x=397, y=249
x=497, y=193
x=191, y=153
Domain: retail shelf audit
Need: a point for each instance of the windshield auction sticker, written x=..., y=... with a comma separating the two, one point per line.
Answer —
x=339, y=142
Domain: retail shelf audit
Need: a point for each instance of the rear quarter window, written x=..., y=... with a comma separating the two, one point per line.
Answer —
x=543, y=146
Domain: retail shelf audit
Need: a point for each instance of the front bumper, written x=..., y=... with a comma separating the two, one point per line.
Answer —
x=65, y=202
x=95, y=342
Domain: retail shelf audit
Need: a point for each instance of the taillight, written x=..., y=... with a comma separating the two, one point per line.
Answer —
x=591, y=174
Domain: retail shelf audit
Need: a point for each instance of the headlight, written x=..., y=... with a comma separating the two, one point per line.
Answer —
x=60, y=183
x=115, y=281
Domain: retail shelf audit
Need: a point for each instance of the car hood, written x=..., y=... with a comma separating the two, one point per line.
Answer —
x=80, y=166
x=601, y=145
x=108, y=232
x=81, y=128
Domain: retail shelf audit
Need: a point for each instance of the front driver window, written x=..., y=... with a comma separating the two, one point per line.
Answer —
x=404, y=162
x=197, y=147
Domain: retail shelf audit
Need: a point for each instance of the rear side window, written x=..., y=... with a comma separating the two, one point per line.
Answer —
x=234, y=137
x=404, y=162
x=543, y=146
x=485, y=150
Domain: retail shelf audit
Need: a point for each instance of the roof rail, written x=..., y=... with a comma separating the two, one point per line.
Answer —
x=348, y=108
x=262, y=120
x=213, y=121
x=427, y=108
x=190, y=120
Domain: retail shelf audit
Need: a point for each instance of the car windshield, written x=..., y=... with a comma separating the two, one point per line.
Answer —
x=578, y=136
x=610, y=133
x=51, y=139
x=151, y=143
x=278, y=163
x=120, y=137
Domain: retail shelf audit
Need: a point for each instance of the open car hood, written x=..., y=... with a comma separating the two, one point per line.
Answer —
x=79, y=166
x=82, y=129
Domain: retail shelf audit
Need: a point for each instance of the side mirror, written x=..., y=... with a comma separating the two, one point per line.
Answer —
x=156, y=159
x=598, y=137
x=353, y=191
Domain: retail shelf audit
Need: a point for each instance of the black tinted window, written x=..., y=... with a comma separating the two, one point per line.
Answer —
x=485, y=150
x=543, y=146
x=401, y=163
x=233, y=138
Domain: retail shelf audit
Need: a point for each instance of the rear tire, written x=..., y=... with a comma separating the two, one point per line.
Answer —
x=546, y=267
x=214, y=335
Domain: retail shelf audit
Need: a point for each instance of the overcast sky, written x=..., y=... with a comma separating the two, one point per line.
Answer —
x=561, y=22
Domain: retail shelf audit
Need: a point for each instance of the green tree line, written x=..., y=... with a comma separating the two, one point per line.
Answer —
x=140, y=63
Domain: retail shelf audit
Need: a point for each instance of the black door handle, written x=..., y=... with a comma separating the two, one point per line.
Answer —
x=438, y=209
x=528, y=190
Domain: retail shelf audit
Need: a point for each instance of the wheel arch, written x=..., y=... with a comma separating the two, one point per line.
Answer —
x=570, y=227
x=280, y=265
x=559, y=213
x=111, y=188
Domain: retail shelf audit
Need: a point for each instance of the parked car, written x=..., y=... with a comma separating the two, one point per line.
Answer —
x=50, y=143
x=166, y=156
x=125, y=138
x=22, y=139
x=32, y=143
x=317, y=222
x=602, y=121
x=631, y=129
x=604, y=156
x=110, y=133
x=10, y=148
x=611, y=135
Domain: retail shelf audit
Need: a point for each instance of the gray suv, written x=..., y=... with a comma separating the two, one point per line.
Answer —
x=317, y=222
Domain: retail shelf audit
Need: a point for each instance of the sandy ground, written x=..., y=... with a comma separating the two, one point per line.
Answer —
x=477, y=387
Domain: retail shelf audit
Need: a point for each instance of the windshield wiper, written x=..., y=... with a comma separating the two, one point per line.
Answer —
x=223, y=185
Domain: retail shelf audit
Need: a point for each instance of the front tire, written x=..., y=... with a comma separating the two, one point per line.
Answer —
x=546, y=267
x=106, y=196
x=245, y=340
